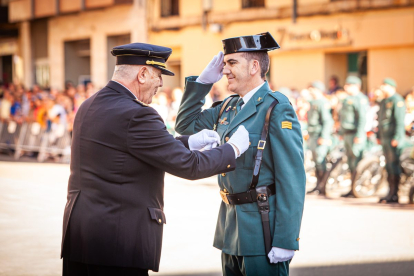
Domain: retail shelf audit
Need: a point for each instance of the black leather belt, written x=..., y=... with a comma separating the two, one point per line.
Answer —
x=245, y=197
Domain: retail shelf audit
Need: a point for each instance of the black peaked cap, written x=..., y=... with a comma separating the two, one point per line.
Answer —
x=143, y=54
x=250, y=43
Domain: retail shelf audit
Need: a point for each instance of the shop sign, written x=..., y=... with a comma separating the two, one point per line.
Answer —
x=316, y=38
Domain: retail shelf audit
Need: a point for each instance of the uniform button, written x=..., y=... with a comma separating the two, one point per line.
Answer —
x=227, y=139
x=159, y=220
x=250, y=143
x=228, y=166
x=225, y=190
x=298, y=239
x=223, y=174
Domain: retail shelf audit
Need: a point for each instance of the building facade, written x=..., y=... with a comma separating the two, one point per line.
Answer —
x=63, y=41
x=371, y=39
x=50, y=42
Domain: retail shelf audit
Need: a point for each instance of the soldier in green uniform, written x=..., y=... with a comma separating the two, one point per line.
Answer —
x=353, y=119
x=262, y=200
x=320, y=125
x=391, y=134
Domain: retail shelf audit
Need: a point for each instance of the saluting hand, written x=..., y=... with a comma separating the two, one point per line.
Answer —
x=206, y=139
x=214, y=70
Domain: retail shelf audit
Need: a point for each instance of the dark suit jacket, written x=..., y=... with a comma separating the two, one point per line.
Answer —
x=120, y=153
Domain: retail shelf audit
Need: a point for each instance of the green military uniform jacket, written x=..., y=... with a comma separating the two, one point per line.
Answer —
x=391, y=118
x=353, y=115
x=239, y=228
x=320, y=120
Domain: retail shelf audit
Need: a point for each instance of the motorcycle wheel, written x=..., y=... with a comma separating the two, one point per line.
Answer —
x=369, y=177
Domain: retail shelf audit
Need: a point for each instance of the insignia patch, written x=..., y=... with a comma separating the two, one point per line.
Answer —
x=259, y=99
x=287, y=124
x=389, y=105
x=400, y=104
x=224, y=121
x=228, y=108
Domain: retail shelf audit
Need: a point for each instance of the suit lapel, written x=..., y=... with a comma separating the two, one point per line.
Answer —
x=249, y=109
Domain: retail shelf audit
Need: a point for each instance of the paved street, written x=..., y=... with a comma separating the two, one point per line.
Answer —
x=338, y=237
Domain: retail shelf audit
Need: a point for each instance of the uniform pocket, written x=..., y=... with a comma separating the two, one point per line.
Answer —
x=250, y=154
x=157, y=215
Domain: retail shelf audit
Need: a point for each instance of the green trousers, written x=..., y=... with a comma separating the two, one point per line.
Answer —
x=353, y=151
x=252, y=266
x=319, y=153
x=392, y=157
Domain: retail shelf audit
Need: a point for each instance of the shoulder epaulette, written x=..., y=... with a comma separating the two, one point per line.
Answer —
x=279, y=96
x=141, y=103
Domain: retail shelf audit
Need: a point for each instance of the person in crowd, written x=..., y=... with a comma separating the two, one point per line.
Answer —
x=353, y=120
x=333, y=85
x=392, y=135
x=320, y=124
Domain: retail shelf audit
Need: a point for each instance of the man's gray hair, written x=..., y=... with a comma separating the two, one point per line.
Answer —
x=126, y=71
x=262, y=58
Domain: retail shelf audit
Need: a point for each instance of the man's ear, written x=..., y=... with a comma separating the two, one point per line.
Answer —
x=142, y=75
x=255, y=67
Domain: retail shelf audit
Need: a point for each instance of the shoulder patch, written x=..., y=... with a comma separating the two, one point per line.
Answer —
x=141, y=103
x=400, y=104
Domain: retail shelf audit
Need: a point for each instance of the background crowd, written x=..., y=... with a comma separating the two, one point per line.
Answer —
x=49, y=107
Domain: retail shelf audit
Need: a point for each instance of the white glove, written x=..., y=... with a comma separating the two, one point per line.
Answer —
x=280, y=255
x=206, y=139
x=240, y=140
x=214, y=70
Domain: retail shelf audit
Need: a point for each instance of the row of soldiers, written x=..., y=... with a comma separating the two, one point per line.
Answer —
x=353, y=117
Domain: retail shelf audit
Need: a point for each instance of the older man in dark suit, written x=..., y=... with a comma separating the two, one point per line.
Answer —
x=113, y=220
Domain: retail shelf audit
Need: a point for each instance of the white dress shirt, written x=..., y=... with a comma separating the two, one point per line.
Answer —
x=125, y=88
x=250, y=94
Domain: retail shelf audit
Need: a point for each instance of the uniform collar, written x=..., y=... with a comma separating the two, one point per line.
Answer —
x=251, y=93
x=119, y=87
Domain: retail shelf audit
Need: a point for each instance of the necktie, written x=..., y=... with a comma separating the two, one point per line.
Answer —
x=239, y=105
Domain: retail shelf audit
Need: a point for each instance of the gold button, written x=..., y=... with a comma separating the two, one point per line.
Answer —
x=159, y=220
x=298, y=239
x=225, y=190
x=250, y=143
x=223, y=174
x=228, y=166
x=227, y=139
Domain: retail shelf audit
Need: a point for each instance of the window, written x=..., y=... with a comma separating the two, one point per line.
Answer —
x=252, y=3
x=169, y=8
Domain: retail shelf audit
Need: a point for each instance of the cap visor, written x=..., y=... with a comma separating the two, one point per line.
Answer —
x=167, y=72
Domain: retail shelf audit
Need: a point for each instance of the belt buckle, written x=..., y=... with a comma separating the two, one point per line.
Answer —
x=261, y=144
x=224, y=197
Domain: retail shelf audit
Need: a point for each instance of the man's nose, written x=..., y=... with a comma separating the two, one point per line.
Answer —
x=226, y=71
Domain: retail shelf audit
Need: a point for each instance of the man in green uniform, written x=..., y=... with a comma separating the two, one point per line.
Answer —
x=391, y=133
x=353, y=119
x=252, y=243
x=320, y=125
